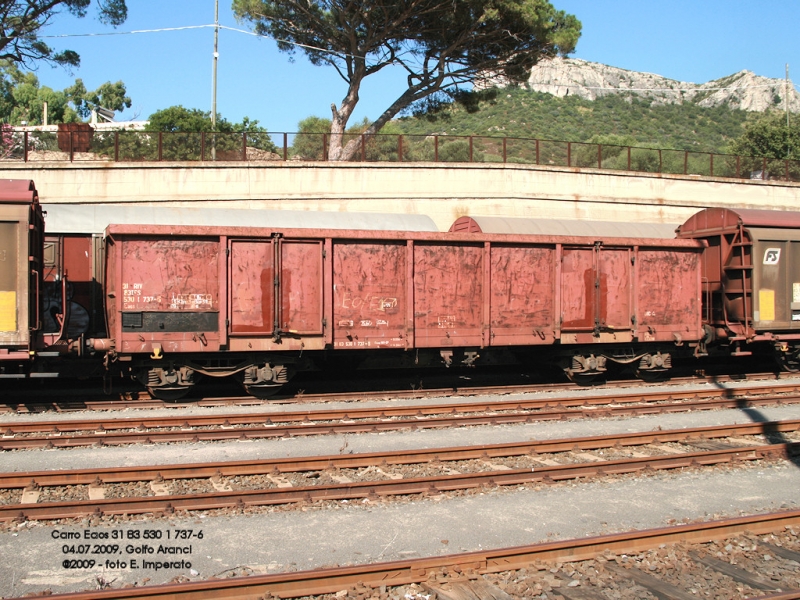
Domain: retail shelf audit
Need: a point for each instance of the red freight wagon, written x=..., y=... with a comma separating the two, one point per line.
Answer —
x=74, y=246
x=20, y=274
x=259, y=303
x=751, y=279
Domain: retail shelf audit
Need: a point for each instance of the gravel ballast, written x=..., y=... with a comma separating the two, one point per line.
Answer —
x=280, y=539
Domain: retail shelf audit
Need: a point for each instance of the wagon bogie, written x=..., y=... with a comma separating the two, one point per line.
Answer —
x=265, y=379
x=585, y=368
x=168, y=382
x=654, y=365
x=645, y=361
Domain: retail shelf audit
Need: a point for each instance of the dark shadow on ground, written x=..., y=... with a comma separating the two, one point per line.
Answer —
x=769, y=429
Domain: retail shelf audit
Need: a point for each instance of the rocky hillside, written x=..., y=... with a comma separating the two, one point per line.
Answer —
x=574, y=77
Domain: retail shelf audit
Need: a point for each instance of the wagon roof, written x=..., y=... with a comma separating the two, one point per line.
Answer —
x=18, y=191
x=579, y=227
x=716, y=219
x=94, y=218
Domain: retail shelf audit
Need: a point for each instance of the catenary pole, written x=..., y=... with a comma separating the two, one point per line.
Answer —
x=786, y=105
x=214, y=78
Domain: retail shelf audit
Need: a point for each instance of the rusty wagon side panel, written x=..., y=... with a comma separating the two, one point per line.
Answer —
x=523, y=295
x=370, y=294
x=166, y=293
x=237, y=290
x=669, y=295
x=475, y=291
x=449, y=283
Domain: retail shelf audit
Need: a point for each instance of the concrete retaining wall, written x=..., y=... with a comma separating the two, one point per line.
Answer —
x=444, y=192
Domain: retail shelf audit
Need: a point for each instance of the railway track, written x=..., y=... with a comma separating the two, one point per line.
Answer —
x=260, y=425
x=142, y=400
x=732, y=558
x=387, y=474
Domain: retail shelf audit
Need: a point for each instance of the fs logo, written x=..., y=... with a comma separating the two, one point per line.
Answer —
x=772, y=256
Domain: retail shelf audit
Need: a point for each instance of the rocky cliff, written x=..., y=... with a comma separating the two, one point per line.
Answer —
x=744, y=90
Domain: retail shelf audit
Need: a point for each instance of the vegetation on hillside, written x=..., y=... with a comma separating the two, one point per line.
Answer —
x=613, y=119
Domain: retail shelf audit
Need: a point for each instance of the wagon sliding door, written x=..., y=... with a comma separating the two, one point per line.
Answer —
x=596, y=291
x=255, y=291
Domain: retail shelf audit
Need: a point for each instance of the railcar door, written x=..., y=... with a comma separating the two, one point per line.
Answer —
x=578, y=290
x=276, y=287
x=252, y=287
x=300, y=287
x=596, y=292
x=614, y=298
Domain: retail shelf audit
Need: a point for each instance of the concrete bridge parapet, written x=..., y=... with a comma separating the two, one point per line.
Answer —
x=442, y=191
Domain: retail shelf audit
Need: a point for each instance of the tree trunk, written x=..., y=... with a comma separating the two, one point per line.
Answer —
x=339, y=118
x=337, y=149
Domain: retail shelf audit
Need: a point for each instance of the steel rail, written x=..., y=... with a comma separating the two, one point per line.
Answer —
x=392, y=487
x=145, y=401
x=443, y=392
x=111, y=475
x=182, y=431
x=403, y=572
x=780, y=392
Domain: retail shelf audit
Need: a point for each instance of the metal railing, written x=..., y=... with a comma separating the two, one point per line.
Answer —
x=143, y=146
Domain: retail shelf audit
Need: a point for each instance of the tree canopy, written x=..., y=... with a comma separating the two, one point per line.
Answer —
x=22, y=21
x=179, y=119
x=439, y=44
x=769, y=136
x=187, y=126
x=22, y=98
x=109, y=95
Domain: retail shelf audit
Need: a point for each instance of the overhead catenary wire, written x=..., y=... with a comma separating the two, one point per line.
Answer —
x=182, y=28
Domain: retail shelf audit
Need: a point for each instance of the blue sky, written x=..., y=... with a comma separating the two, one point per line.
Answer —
x=688, y=40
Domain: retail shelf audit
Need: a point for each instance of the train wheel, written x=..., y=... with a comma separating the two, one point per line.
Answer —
x=169, y=394
x=652, y=376
x=789, y=362
x=262, y=391
x=581, y=378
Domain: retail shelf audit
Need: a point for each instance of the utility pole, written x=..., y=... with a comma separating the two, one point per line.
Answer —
x=214, y=80
x=786, y=105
